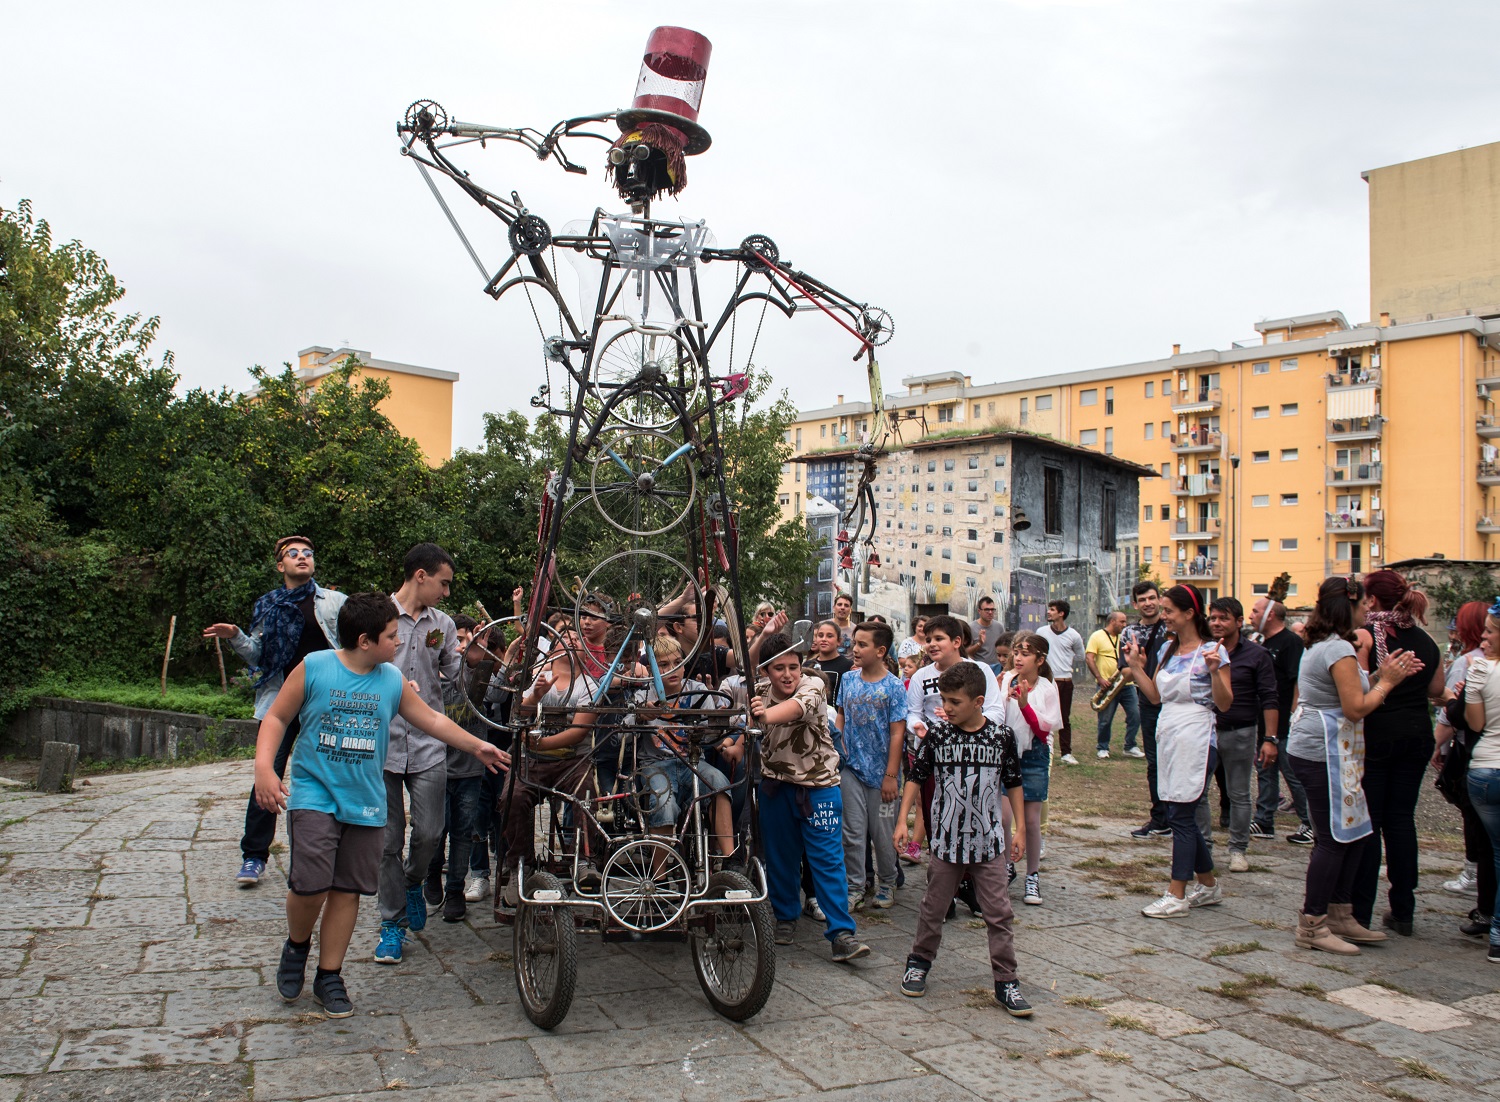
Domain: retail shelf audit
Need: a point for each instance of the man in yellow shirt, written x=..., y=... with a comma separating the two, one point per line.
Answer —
x=1102, y=656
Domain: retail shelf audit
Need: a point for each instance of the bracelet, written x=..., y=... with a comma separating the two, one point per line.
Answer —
x=890, y=776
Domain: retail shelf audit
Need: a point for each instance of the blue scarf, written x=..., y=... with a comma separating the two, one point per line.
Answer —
x=280, y=621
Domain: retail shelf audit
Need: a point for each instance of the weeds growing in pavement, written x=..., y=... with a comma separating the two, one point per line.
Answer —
x=1246, y=987
x=1127, y=1021
x=1418, y=1070
x=1089, y=1002
x=1236, y=948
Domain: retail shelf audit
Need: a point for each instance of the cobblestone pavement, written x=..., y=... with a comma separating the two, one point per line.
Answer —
x=132, y=967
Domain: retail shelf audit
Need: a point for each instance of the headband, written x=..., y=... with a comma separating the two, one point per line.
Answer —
x=1495, y=609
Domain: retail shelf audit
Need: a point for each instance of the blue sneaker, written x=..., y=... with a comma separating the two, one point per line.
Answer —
x=416, y=908
x=250, y=872
x=389, y=949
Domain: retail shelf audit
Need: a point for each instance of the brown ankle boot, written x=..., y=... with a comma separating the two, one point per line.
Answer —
x=1313, y=933
x=1342, y=923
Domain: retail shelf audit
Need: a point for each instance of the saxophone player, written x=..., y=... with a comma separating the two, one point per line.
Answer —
x=1102, y=656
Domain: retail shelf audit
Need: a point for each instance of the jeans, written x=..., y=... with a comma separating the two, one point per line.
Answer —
x=788, y=834
x=428, y=792
x=1394, y=768
x=1484, y=794
x=670, y=782
x=260, y=824
x=1150, y=713
x=1479, y=849
x=1190, y=852
x=488, y=829
x=1332, y=867
x=1065, y=701
x=988, y=878
x=867, y=819
x=1126, y=702
x=460, y=824
x=1268, y=794
x=1237, y=747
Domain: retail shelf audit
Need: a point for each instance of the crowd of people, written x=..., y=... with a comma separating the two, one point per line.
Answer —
x=874, y=756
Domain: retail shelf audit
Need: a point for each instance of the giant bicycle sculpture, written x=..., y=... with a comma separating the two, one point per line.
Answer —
x=642, y=404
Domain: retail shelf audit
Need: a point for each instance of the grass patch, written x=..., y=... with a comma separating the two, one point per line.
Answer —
x=202, y=698
x=1389, y=986
x=1297, y=1021
x=1336, y=968
x=1068, y=1053
x=979, y=998
x=1126, y=1021
x=1311, y=990
x=1235, y=949
x=1418, y=1070
x=1109, y=895
x=973, y=924
x=1113, y=1056
x=1267, y=923
x=1088, y=1002
x=1246, y=987
x=1398, y=1093
x=1099, y=976
x=1144, y=951
x=1136, y=876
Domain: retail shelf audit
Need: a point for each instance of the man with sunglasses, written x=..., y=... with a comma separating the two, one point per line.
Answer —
x=287, y=625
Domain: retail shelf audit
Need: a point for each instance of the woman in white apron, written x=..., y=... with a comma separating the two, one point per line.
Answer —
x=1192, y=679
x=1326, y=752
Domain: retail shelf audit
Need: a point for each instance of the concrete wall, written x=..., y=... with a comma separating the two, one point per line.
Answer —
x=111, y=732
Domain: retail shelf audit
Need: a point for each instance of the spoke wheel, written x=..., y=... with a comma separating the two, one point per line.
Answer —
x=734, y=950
x=506, y=666
x=640, y=483
x=630, y=586
x=654, y=363
x=545, y=951
x=646, y=885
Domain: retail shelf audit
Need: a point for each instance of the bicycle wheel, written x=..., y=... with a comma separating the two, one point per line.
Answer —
x=504, y=666
x=545, y=952
x=734, y=951
x=649, y=364
x=642, y=481
x=631, y=587
x=646, y=885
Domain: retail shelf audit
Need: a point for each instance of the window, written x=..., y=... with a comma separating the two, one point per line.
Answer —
x=931, y=465
x=1088, y=436
x=1146, y=551
x=1150, y=430
x=1146, y=516
x=1291, y=590
x=972, y=485
x=1260, y=545
x=948, y=486
x=945, y=413
x=1262, y=368
x=1109, y=441
x=1288, y=499
x=1258, y=412
x=947, y=506
x=999, y=537
x=971, y=557
x=1260, y=501
x=947, y=532
x=977, y=408
x=1163, y=557
x=1150, y=393
x=947, y=464
x=991, y=408
x=1289, y=544
x=1000, y=460
x=797, y=472
x=1088, y=397
x=1289, y=455
x=997, y=562
x=1043, y=401
x=1289, y=409
x=1052, y=501
x=1023, y=411
x=973, y=462
x=1260, y=457
x=1166, y=429
x=1289, y=365
x=999, y=485
x=944, y=579
x=1109, y=400
x=931, y=486
x=786, y=499
x=973, y=533
x=823, y=431
x=999, y=510
x=799, y=440
x=928, y=530
x=1166, y=512
x=973, y=509
x=927, y=551
x=1166, y=387
x=947, y=552
x=930, y=507
x=1107, y=520
x=786, y=469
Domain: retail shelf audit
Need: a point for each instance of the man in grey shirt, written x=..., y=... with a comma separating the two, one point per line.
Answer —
x=986, y=630
x=1065, y=648
x=415, y=763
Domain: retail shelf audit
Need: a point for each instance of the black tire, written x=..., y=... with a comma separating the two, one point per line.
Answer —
x=723, y=937
x=545, y=954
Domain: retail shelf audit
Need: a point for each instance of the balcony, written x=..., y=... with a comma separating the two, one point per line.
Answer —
x=1350, y=429
x=1197, y=485
x=1364, y=376
x=1204, y=570
x=1489, y=373
x=1355, y=567
x=1201, y=401
x=1488, y=524
x=1355, y=520
x=1487, y=425
x=1355, y=474
x=1204, y=528
x=1489, y=474
x=1198, y=440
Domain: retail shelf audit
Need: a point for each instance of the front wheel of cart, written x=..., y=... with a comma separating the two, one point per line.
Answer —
x=734, y=950
x=545, y=951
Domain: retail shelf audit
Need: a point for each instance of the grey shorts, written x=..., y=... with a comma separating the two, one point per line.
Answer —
x=327, y=855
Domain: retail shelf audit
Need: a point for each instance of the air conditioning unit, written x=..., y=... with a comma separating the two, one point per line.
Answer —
x=1483, y=392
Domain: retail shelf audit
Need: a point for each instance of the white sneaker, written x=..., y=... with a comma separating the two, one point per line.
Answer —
x=1103, y=754
x=812, y=910
x=1069, y=759
x=1200, y=896
x=1238, y=862
x=1033, y=889
x=1041, y=854
x=476, y=887
x=1466, y=882
x=1135, y=752
x=1168, y=906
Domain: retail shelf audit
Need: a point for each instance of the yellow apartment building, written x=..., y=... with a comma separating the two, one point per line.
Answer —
x=421, y=399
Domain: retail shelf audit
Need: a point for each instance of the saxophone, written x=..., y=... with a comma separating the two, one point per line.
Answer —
x=1108, y=691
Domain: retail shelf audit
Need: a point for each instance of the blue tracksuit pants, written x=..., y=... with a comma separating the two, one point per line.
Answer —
x=788, y=834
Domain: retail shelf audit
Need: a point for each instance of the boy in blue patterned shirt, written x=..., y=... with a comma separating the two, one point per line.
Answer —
x=872, y=722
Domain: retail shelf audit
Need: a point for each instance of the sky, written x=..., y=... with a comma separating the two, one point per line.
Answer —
x=1027, y=186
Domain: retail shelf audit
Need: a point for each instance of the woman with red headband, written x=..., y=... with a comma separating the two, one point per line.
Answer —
x=1398, y=745
x=1192, y=678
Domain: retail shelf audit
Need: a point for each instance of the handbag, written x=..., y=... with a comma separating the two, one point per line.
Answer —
x=1452, y=781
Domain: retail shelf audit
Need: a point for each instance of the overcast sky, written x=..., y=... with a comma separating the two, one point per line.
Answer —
x=1026, y=186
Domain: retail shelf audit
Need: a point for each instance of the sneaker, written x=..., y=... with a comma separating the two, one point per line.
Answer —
x=389, y=949
x=914, y=979
x=1134, y=752
x=856, y=901
x=432, y=888
x=1168, y=906
x=590, y=878
x=454, y=907
x=1258, y=831
x=1160, y=831
x=1008, y=994
x=1303, y=837
x=911, y=854
x=291, y=973
x=1238, y=862
x=1069, y=759
x=1033, y=889
x=885, y=898
x=1202, y=896
x=1464, y=884
x=1224, y=819
x=1102, y=755
x=1041, y=853
x=1142, y=833
x=250, y=872
x=328, y=990
x=786, y=932
x=1403, y=926
x=845, y=949
x=416, y=907
x=476, y=887
x=1010, y=873
x=1494, y=956
x=812, y=910
x=1477, y=926
x=510, y=895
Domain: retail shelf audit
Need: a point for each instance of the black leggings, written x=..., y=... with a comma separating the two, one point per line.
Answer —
x=1333, y=865
x=1478, y=850
x=1394, y=768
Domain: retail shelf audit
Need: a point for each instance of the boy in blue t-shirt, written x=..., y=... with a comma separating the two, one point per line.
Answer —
x=872, y=721
x=335, y=793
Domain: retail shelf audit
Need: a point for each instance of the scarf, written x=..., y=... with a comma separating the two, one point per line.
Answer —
x=280, y=622
x=1381, y=624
